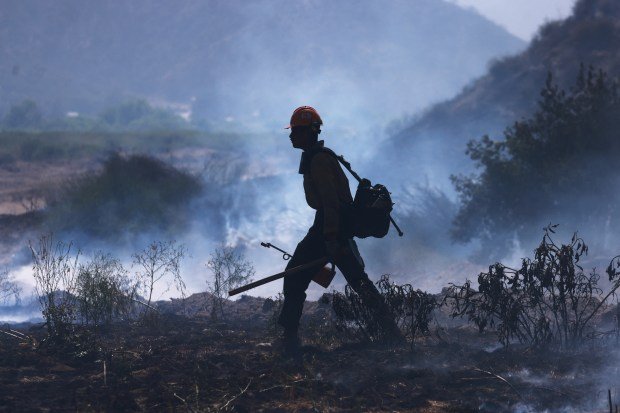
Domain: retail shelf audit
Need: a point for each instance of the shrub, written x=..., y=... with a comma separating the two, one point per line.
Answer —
x=130, y=195
x=104, y=291
x=549, y=300
x=54, y=269
x=412, y=310
x=230, y=269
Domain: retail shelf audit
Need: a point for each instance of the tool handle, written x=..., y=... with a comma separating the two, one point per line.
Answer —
x=285, y=255
x=316, y=263
x=400, y=233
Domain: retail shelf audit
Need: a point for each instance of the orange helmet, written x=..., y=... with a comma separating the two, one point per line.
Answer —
x=305, y=116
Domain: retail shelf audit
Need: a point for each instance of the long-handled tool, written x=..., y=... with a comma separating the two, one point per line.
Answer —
x=320, y=262
x=285, y=255
x=323, y=277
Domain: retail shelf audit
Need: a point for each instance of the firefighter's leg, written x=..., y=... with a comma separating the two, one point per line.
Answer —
x=295, y=285
x=351, y=265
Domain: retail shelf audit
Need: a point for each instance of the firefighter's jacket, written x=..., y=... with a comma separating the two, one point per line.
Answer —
x=326, y=188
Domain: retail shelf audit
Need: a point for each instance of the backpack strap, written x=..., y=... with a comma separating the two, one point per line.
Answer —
x=344, y=163
x=306, y=160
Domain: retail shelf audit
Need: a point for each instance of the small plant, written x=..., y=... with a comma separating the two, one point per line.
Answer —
x=159, y=261
x=104, y=291
x=412, y=310
x=549, y=300
x=230, y=269
x=273, y=306
x=54, y=269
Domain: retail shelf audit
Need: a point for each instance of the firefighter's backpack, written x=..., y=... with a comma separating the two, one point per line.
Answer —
x=371, y=208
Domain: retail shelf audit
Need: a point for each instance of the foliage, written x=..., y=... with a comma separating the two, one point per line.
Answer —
x=412, y=310
x=140, y=115
x=9, y=290
x=25, y=115
x=559, y=161
x=130, y=195
x=54, y=270
x=159, y=261
x=549, y=300
x=230, y=269
x=104, y=291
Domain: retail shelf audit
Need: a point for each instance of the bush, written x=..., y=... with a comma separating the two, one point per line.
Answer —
x=549, y=300
x=230, y=269
x=130, y=195
x=412, y=310
x=54, y=269
x=104, y=291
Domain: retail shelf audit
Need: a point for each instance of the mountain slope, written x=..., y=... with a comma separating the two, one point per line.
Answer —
x=248, y=60
x=434, y=144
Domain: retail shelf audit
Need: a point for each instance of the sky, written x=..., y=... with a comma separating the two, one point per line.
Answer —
x=522, y=18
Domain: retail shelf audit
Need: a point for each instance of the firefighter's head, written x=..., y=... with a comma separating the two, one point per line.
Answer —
x=305, y=127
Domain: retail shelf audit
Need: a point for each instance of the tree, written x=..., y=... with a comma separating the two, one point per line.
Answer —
x=230, y=270
x=159, y=261
x=560, y=163
x=140, y=115
x=24, y=115
x=9, y=290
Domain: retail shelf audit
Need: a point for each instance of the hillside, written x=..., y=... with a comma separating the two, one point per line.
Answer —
x=243, y=61
x=508, y=91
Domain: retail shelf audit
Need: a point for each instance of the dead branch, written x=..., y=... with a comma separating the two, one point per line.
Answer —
x=282, y=386
x=223, y=408
x=13, y=335
x=184, y=402
x=144, y=304
x=501, y=379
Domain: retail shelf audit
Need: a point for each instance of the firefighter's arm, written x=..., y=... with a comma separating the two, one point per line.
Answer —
x=324, y=178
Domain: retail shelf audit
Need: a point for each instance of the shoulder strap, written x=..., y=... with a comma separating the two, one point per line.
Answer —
x=344, y=163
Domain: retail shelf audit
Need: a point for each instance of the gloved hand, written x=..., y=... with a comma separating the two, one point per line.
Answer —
x=333, y=248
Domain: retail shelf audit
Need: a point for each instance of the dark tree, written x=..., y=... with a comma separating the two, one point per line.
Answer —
x=25, y=115
x=559, y=165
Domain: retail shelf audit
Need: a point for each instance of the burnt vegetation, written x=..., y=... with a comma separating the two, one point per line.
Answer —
x=116, y=348
x=549, y=301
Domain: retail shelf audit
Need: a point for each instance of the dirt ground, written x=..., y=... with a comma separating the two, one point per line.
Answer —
x=194, y=364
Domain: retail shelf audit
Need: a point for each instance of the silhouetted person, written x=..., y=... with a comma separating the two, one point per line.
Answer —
x=327, y=191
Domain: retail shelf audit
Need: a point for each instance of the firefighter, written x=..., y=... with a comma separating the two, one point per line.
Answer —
x=327, y=191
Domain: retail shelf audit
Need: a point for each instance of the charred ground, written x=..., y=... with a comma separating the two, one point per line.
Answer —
x=193, y=363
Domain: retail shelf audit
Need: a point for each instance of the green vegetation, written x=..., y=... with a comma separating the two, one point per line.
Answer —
x=131, y=115
x=55, y=146
x=558, y=164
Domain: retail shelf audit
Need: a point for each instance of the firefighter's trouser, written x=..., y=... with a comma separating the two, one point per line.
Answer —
x=349, y=263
